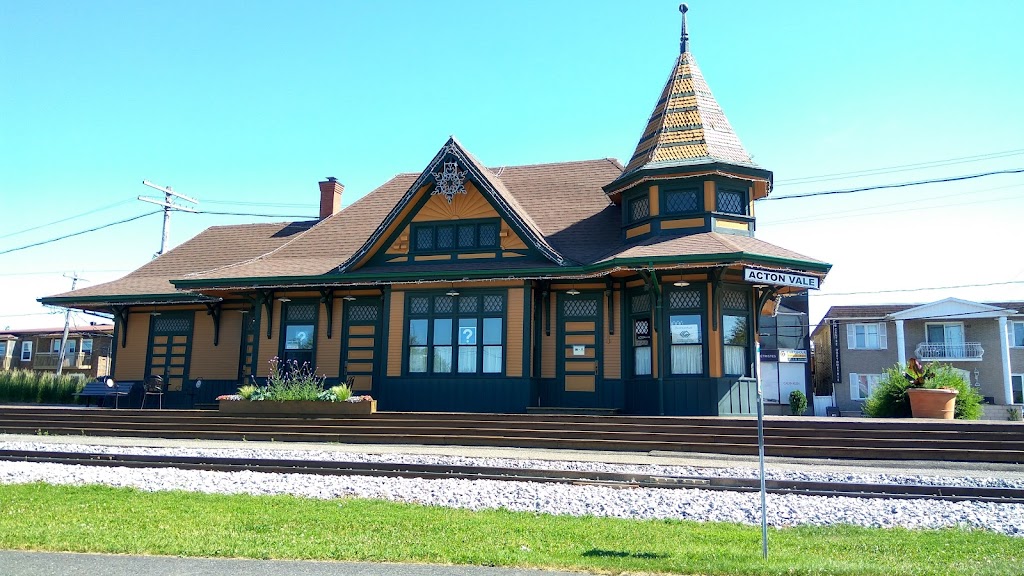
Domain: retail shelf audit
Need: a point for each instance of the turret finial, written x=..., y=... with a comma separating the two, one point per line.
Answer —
x=683, y=37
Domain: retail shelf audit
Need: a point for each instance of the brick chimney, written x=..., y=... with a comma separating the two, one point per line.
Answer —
x=330, y=196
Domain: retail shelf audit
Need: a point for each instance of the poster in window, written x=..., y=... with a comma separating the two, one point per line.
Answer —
x=685, y=333
x=299, y=338
x=467, y=335
x=641, y=332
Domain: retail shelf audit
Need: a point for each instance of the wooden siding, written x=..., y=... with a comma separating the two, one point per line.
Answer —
x=638, y=230
x=714, y=341
x=580, y=383
x=509, y=239
x=709, y=196
x=655, y=204
x=268, y=346
x=547, y=354
x=328, y=351
x=131, y=360
x=682, y=223
x=514, y=334
x=387, y=233
x=472, y=204
x=396, y=333
x=612, y=342
x=218, y=362
x=731, y=225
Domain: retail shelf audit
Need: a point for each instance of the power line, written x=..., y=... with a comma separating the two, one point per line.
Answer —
x=925, y=289
x=51, y=240
x=267, y=204
x=898, y=168
x=303, y=216
x=899, y=185
x=107, y=207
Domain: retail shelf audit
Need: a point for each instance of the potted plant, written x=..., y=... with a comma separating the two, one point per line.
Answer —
x=928, y=397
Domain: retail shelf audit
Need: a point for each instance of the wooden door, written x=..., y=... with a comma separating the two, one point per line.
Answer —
x=170, y=346
x=362, y=347
x=579, y=363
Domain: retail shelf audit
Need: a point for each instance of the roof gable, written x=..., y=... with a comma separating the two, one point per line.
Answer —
x=447, y=175
x=951, y=308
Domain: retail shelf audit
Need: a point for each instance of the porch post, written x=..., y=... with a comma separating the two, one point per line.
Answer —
x=1004, y=356
x=901, y=344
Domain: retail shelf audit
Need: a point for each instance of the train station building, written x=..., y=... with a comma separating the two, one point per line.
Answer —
x=575, y=285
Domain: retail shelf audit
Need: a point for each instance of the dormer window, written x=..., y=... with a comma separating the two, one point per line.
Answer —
x=640, y=208
x=455, y=237
x=683, y=201
x=731, y=202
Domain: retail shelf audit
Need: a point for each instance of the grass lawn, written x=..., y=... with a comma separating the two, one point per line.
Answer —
x=127, y=521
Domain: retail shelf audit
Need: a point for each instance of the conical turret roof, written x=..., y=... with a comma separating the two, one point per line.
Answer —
x=687, y=126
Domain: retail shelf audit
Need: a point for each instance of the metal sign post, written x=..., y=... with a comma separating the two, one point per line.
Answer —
x=760, y=449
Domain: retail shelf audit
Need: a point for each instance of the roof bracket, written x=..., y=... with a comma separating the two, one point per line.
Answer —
x=121, y=322
x=266, y=298
x=327, y=299
x=716, y=296
x=610, y=294
x=214, y=310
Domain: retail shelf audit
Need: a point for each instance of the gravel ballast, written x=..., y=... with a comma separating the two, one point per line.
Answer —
x=638, y=503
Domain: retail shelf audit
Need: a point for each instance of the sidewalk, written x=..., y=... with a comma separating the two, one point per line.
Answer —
x=16, y=563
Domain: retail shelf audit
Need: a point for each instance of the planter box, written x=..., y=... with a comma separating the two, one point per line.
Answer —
x=296, y=408
x=932, y=402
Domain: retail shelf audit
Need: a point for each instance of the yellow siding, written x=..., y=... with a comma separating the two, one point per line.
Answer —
x=401, y=244
x=361, y=367
x=362, y=383
x=267, y=346
x=709, y=196
x=360, y=354
x=719, y=223
x=682, y=223
x=387, y=233
x=509, y=239
x=396, y=333
x=361, y=330
x=579, y=326
x=760, y=190
x=638, y=230
x=328, y=351
x=612, y=350
x=655, y=206
x=131, y=360
x=514, y=334
x=463, y=206
x=361, y=342
x=579, y=383
x=216, y=362
x=432, y=257
x=714, y=341
x=580, y=365
x=547, y=358
x=571, y=339
x=478, y=256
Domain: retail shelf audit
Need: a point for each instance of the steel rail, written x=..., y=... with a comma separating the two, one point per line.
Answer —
x=608, y=479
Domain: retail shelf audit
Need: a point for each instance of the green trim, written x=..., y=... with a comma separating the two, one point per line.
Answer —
x=191, y=316
x=416, y=227
x=527, y=343
x=737, y=258
x=282, y=329
x=626, y=181
x=129, y=299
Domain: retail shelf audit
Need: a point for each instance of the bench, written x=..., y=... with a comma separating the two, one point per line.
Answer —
x=99, y=389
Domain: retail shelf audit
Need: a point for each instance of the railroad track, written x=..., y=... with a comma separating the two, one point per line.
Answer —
x=608, y=479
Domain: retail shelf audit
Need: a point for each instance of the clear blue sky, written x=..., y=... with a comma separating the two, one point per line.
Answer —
x=245, y=105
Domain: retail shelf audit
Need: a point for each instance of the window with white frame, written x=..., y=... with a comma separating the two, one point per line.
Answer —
x=866, y=336
x=1017, y=387
x=862, y=385
x=87, y=346
x=26, y=351
x=1016, y=330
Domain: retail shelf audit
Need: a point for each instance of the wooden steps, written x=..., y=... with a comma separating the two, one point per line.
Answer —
x=784, y=436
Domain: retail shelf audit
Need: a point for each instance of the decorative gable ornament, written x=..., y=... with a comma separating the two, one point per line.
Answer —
x=450, y=181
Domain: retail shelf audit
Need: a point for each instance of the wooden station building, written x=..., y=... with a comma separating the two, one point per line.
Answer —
x=575, y=285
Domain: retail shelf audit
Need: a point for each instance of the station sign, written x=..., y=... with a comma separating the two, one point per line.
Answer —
x=779, y=278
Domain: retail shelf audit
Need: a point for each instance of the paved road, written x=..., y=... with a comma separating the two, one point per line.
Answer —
x=67, y=564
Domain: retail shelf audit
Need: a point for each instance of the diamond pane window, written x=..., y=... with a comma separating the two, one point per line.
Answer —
x=682, y=202
x=444, y=304
x=641, y=303
x=469, y=304
x=488, y=235
x=734, y=300
x=732, y=202
x=424, y=239
x=418, y=305
x=467, y=236
x=684, y=299
x=639, y=208
x=301, y=313
x=166, y=324
x=494, y=303
x=445, y=237
x=362, y=313
x=580, y=308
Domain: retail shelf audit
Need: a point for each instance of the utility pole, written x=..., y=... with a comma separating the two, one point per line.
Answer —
x=168, y=204
x=67, y=325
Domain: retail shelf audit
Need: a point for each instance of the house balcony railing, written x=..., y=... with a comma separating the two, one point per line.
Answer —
x=48, y=361
x=961, y=351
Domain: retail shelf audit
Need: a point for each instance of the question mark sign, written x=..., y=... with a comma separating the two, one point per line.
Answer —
x=467, y=334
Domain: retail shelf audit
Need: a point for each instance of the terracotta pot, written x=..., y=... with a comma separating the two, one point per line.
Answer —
x=301, y=408
x=932, y=402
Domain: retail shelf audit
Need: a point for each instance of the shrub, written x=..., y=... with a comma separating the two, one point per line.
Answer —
x=340, y=393
x=797, y=403
x=40, y=387
x=889, y=399
x=1014, y=414
x=247, y=391
x=290, y=381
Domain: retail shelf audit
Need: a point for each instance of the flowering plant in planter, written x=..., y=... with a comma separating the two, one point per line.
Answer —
x=294, y=381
